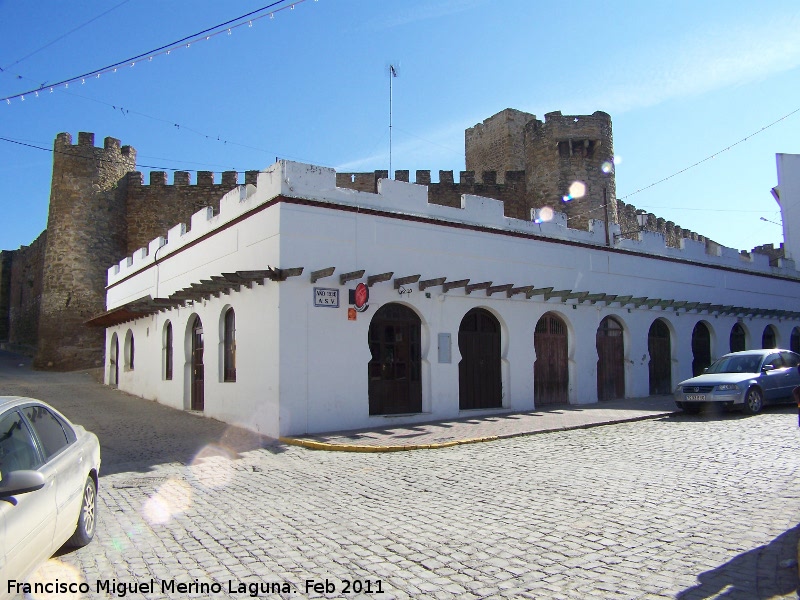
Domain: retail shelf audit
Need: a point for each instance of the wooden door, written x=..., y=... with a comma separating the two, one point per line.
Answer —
x=480, y=382
x=660, y=349
x=395, y=383
x=737, y=339
x=610, y=360
x=198, y=369
x=551, y=369
x=701, y=348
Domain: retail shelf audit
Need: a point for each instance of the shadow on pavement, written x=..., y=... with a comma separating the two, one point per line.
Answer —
x=768, y=571
x=135, y=434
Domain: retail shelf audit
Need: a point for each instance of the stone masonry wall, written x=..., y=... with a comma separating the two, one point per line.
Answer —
x=86, y=232
x=566, y=149
x=25, y=293
x=5, y=292
x=497, y=144
x=153, y=209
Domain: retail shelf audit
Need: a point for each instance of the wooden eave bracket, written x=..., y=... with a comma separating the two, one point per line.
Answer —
x=351, y=276
x=317, y=275
x=494, y=289
x=405, y=280
x=283, y=274
x=552, y=294
x=519, y=290
x=579, y=296
x=451, y=285
x=484, y=285
x=538, y=292
x=373, y=279
x=425, y=284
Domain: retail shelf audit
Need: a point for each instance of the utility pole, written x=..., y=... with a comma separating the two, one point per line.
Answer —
x=392, y=75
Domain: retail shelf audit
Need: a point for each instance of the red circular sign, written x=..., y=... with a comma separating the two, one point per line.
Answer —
x=362, y=295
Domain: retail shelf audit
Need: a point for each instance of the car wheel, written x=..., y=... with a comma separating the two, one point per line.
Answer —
x=690, y=408
x=753, y=401
x=87, y=520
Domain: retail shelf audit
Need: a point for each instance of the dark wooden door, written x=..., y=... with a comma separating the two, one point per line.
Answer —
x=551, y=369
x=480, y=383
x=660, y=349
x=198, y=369
x=794, y=340
x=737, y=339
x=768, y=338
x=395, y=383
x=610, y=360
x=115, y=361
x=701, y=348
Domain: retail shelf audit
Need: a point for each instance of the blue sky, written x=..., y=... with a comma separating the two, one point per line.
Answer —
x=682, y=80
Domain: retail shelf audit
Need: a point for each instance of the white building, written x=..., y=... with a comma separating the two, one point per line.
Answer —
x=246, y=314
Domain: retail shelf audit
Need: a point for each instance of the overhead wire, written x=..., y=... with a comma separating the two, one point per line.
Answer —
x=204, y=35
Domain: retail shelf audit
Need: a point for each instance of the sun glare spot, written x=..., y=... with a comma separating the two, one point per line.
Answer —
x=213, y=466
x=172, y=498
x=577, y=190
x=55, y=570
x=543, y=215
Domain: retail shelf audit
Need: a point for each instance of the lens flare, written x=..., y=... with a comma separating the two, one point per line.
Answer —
x=213, y=466
x=607, y=167
x=172, y=498
x=543, y=215
x=55, y=570
x=577, y=189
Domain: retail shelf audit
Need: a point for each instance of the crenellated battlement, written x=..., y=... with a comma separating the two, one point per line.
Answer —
x=230, y=179
x=297, y=180
x=63, y=142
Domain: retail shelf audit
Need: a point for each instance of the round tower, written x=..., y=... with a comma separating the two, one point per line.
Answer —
x=569, y=164
x=86, y=233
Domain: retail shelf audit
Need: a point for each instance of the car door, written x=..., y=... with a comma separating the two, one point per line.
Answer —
x=773, y=381
x=66, y=458
x=791, y=360
x=30, y=518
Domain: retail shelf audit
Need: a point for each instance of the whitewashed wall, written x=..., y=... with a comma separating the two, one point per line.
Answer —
x=302, y=368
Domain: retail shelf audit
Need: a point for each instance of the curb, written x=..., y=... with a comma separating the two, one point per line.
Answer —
x=331, y=447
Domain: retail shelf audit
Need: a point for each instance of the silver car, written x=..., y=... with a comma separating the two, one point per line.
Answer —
x=745, y=380
x=48, y=485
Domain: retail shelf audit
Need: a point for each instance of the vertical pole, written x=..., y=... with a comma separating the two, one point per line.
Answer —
x=391, y=73
x=605, y=206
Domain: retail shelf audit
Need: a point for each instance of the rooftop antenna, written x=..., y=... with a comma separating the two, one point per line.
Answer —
x=393, y=66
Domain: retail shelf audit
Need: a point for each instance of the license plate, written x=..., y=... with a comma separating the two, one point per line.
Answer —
x=696, y=397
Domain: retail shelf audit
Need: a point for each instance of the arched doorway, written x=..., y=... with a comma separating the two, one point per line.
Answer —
x=794, y=340
x=769, y=339
x=113, y=376
x=610, y=360
x=198, y=369
x=480, y=383
x=701, y=348
x=660, y=349
x=395, y=384
x=551, y=369
x=738, y=339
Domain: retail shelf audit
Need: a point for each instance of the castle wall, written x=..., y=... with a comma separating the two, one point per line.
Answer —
x=153, y=209
x=86, y=231
x=25, y=267
x=566, y=149
x=498, y=144
x=5, y=292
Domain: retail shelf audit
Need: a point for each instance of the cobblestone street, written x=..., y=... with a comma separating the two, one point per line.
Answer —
x=674, y=507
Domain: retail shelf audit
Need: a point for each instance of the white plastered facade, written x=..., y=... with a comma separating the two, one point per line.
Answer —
x=302, y=368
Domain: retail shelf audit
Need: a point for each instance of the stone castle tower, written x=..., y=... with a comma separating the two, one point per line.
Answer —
x=554, y=154
x=86, y=232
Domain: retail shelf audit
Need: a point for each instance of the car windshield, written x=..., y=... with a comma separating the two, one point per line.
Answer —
x=736, y=364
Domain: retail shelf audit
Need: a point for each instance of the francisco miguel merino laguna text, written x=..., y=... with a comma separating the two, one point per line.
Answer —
x=122, y=589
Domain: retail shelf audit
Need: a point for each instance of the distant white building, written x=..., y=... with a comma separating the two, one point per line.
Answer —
x=246, y=315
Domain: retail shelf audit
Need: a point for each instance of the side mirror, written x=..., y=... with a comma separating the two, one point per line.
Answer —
x=21, y=482
x=766, y=368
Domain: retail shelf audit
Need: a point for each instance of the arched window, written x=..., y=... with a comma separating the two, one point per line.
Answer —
x=794, y=341
x=168, y=351
x=768, y=338
x=738, y=341
x=129, y=350
x=230, y=346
